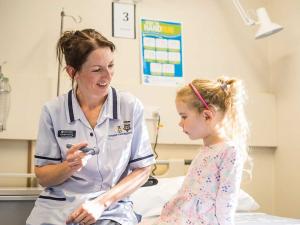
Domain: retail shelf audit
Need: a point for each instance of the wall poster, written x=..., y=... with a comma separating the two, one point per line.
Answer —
x=161, y=52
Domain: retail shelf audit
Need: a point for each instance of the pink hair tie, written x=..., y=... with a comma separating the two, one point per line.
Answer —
x=197, y=93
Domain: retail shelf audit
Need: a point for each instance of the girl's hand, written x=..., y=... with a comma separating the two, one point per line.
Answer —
x=87, y=214
x=76, y=159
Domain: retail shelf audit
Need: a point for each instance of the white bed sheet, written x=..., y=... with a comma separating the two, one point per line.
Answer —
x=263, y=219
x=253, y=219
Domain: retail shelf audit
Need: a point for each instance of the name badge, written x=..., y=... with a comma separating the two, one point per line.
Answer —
x=67, y=133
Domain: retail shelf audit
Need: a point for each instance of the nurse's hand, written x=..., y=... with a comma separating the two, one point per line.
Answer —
x=87, y=214
x=75, y=158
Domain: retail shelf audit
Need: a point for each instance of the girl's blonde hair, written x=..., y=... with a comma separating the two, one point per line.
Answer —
x=226, y=95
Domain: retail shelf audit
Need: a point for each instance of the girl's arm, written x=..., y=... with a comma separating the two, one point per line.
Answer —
x=230, y=179
x=92, y=210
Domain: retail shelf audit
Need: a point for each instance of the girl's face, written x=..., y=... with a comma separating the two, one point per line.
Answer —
x=96, y=73
x=196, y=125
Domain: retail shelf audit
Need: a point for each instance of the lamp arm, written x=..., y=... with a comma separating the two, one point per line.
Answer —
x=246, y=18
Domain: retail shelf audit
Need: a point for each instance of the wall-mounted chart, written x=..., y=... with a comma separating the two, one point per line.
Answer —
x=161, y=52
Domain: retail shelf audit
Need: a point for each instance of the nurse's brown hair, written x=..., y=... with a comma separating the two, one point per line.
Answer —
x=76, y=46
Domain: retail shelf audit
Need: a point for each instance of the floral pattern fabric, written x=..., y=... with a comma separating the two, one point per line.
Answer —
x=209, y=192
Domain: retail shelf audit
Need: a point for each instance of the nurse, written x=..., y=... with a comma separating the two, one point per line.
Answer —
x=90, y=186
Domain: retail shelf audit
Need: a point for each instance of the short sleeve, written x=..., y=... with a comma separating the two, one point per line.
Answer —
x=230, y=179
x=47, y=149
x=141, y=150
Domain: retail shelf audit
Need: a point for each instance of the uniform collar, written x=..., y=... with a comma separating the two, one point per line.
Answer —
x=112, y=105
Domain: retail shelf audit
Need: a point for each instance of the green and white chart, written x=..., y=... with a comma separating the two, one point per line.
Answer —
x=161, y=46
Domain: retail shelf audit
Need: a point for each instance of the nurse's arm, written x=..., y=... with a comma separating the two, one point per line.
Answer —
x=54, y=174
x=91, y=210
x=51, y=175
x=126, y=186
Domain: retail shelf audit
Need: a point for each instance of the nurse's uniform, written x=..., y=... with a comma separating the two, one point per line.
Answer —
x=120, y=137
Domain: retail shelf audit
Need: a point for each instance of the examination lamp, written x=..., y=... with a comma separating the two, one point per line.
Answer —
x=267, y=27
x=4, y=99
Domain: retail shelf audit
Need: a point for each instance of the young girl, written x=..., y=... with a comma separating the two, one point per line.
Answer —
x=214, y=112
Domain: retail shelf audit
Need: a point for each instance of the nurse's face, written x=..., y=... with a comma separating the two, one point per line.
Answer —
x=95, y=75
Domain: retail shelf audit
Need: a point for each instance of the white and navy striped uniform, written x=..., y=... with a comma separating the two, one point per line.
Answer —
x=121, y=140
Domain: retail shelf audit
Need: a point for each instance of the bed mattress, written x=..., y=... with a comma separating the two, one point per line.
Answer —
x=254, y=219
x=263, y=219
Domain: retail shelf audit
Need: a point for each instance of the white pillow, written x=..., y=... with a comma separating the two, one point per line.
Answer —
x=246, y=203
x=149, y=201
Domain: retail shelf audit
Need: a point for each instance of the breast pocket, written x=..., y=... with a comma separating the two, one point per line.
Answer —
x=117, y=154
x=120, y=145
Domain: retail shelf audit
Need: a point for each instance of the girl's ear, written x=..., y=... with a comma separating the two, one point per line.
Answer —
x=208, y=114
x=71, y=71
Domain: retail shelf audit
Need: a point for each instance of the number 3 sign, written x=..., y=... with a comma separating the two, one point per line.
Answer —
x=123, y=20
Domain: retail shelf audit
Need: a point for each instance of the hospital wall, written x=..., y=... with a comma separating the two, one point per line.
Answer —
x=284, y=56
x=215, y=42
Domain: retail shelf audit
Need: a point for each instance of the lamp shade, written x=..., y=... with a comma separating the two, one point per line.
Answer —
x=267, y=27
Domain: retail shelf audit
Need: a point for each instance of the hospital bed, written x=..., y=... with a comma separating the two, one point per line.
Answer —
x=148, y=201
x=16, y=203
